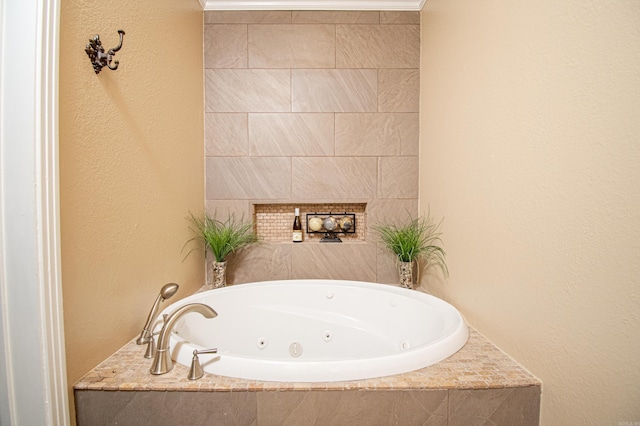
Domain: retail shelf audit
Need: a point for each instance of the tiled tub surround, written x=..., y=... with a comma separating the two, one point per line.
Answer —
x=478, y=385
x=307, y=107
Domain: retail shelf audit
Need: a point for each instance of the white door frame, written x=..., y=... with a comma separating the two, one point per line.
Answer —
x=33, y=387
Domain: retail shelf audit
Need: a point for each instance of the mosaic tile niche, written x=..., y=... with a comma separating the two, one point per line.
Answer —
x=273, y=222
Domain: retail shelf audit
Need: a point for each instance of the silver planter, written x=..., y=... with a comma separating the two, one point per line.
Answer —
x=405, y=269
x=219, y=278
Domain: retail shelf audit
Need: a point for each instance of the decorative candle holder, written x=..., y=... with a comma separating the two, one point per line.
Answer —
x=330, y=224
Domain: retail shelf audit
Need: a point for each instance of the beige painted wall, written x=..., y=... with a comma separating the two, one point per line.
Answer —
x=530, y=150
x=131, y=165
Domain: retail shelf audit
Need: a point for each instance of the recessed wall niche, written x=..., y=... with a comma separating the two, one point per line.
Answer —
x=274, y=222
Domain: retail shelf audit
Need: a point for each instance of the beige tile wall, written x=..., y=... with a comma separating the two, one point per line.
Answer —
x=307, y=107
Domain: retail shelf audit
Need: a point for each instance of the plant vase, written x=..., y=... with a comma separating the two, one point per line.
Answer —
x=406, y=274
x=219, y=274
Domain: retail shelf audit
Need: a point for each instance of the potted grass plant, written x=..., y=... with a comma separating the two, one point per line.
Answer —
x=417, y=239
x=222, y=238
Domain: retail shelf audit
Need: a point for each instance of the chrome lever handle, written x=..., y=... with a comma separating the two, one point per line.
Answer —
x=196, y=371
x=151, y=347
x=205, y=351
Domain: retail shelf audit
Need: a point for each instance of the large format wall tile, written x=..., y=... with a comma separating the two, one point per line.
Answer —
x=259, y=262
x=398, y=177
x=246, y=90
x=378, y=46
x=225, y=46
x=312, y=106
x=292, y=46
x=398, y=90
x=391, y=210
x=334, y=90
x=378, y=134
x=226, y=135
x=240, y=178
x=129, y=408
x=358, y=408
x=247, y=17
x=506, y=406
x=356, y=261
x=387, y=267
x=334, y=178
x=221, y=209
x=392, y=17
x=291, y=134
x=335, y=17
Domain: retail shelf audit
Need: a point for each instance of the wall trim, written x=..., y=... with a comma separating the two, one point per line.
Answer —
x=33, y=387
x=398, y=5
x=48, y=214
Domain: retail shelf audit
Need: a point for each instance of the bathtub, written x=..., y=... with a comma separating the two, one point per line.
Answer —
x=317, y=331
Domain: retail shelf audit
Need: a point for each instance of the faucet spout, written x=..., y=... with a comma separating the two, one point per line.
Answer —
x=162, y=363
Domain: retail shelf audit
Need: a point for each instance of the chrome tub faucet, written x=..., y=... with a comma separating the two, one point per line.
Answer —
x=162, y=363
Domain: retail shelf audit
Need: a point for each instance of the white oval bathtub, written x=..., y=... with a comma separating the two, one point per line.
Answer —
x=317, y=330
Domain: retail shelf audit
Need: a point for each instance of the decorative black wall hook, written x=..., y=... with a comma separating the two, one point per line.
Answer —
x=96, y=54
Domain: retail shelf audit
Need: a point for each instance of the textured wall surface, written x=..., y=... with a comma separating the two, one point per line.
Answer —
x=312, y=107
x=130, y=168
x=530, y=150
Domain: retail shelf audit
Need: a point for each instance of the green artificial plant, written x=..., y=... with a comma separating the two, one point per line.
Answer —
x=416, y=239
x=222, y=237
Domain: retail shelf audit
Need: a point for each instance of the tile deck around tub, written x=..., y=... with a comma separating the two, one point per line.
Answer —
x=478, y=365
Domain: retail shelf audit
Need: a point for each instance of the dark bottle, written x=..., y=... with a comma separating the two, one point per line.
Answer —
x=297, y=227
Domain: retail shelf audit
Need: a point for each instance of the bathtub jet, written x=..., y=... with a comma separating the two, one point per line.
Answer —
x=317, y=331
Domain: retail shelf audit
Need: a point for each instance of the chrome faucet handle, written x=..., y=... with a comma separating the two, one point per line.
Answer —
x=205, y=351
x=151, y=347
x=151, y=344
x=195, y=371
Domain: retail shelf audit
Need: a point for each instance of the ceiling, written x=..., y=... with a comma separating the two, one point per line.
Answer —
x=411, y=5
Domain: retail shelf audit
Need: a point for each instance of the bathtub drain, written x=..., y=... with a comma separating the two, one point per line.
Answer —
x=295, y=349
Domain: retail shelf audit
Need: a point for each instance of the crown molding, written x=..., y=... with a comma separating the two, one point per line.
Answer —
x=399, y=5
